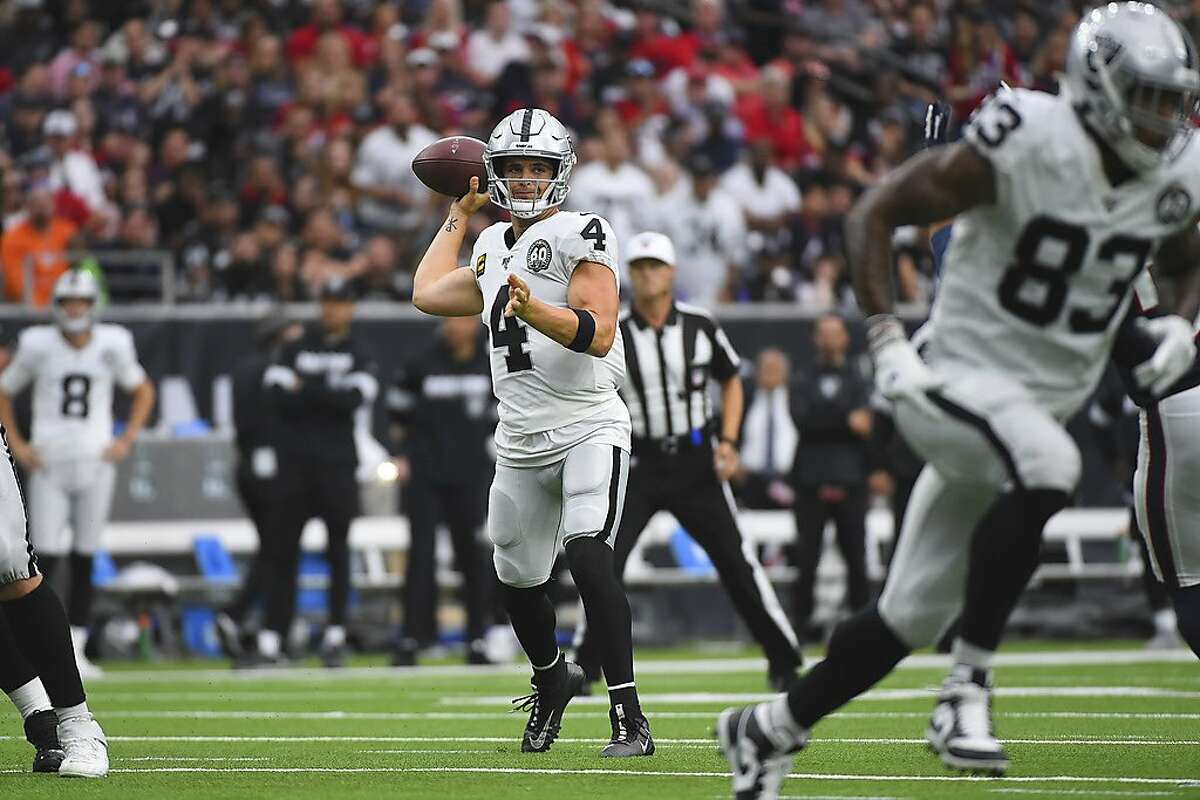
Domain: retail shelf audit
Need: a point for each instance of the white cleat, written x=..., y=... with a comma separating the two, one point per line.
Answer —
x=1165, y=640
x=86, y=748
x=960, y=730
x=759, y=761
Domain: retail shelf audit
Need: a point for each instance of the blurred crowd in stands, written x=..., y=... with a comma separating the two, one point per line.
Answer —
x=265, y=144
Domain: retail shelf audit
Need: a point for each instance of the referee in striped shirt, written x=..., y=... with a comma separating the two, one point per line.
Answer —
x=682, y=456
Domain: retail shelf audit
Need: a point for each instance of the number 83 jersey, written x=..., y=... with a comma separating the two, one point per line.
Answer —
x=72, y=387
x=542, y=386
x=1037, y=283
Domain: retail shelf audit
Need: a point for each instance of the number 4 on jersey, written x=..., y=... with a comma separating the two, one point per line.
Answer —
x=510, y=333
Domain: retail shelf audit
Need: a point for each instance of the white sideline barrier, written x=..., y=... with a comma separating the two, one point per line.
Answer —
x=376, y=535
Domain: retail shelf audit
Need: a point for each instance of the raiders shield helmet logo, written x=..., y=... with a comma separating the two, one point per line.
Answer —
x=1174, y=205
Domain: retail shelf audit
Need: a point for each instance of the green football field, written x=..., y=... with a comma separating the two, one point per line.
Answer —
x=1113, y=722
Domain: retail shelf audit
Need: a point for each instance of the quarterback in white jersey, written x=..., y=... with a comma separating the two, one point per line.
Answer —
x=73, y=366
x=546, y=287
x=1059, y=203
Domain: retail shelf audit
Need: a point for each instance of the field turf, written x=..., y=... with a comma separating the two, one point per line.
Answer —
x=1079, y=723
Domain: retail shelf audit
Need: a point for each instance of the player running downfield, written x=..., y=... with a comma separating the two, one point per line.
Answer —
x=1060, y=202
x=71, y=455
x=546, y=287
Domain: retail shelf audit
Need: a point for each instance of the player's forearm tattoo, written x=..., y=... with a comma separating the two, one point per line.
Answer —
x=451, y=225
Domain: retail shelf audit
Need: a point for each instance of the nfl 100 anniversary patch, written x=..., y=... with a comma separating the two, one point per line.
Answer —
x=539, y=255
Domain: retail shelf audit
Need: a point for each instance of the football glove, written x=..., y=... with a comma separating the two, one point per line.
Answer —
x=1172, y=358
x=900, y=374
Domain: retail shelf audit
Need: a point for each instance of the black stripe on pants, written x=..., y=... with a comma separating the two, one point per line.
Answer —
x=1156, y=500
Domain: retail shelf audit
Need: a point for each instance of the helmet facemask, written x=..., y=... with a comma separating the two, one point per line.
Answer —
x=74, y=324
x=1154, y=120
x=551, y=192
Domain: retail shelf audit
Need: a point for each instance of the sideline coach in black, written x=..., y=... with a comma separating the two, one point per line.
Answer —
x=443, y=414
x=830, y=409
x=257, y=469
x=316, y=385
x=682, y=459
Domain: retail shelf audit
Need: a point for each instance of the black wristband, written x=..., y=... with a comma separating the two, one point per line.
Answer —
x=727, y=440
x=585, y=333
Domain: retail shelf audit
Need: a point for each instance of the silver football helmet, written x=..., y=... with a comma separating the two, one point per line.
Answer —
x=1133, y=71
x=81, y=285
x=529, y=132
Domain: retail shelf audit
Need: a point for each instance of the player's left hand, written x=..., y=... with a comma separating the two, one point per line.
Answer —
x=519, y=298
x=117, y=451
x=725, y=460
x=1172, y=358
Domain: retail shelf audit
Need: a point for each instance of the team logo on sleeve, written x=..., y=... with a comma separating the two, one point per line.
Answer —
x=539, y=256
x=1174, y=205
x=480, y=264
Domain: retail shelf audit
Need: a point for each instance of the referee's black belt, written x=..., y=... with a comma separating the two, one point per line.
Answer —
x=672, y=445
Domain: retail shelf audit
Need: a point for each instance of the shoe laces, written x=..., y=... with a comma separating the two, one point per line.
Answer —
x=531, y=703
x=625, y=728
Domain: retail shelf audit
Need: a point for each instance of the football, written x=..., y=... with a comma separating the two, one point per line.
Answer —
x=446, y=166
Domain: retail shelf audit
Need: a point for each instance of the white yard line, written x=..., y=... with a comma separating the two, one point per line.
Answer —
x=192, y=758
x=1122, y=741
x=696, y=666
x=1086, y=792
x=705, y=698
x=810, y=776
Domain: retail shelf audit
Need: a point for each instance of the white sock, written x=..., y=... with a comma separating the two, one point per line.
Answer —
x=335, y=636
x=779, y=717
x=1164, y=621
x=30, y=698
x=73, y=712
x=268, y=643
x=79, y=637
x=970, y=657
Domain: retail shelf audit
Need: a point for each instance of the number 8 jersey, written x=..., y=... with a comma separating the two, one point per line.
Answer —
x=72, y=388
x=1037, y=283
x=550, y=398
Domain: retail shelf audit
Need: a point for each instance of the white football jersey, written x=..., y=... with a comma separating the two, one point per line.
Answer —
x=72, y=388
x=542, y=386
x=1036, y=284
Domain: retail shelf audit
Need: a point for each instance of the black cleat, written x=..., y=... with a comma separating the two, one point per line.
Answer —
x=477, y=653
x=229, y=634
x=760, y=761
x=253, y=659
x=41, y=731
x=405, y=653
x=333, y=656
x=630, y=735
x=545, y=707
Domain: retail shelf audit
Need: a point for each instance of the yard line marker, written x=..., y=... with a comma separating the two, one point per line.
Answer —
x=1132, y=741
x=653, y=667
x=193, y=758
x=633, y=773
x=703, y=698
x=1088, y=792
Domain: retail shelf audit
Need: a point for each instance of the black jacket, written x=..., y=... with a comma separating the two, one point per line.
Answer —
x=445, y=412
x=316, y=384
x=253, y=420
x=829, y=452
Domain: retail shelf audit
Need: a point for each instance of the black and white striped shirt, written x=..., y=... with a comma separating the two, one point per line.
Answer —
x=667, y=370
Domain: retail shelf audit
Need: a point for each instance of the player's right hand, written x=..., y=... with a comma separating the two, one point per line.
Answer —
x=472, y=201
x=26, y=455
x=900, y=374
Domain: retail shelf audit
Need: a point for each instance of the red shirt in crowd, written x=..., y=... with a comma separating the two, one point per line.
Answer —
x=784, y=127
x=303, y=42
